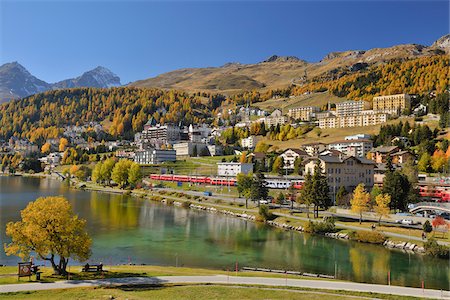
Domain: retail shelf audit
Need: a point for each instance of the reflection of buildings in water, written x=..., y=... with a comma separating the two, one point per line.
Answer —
x=51, y=184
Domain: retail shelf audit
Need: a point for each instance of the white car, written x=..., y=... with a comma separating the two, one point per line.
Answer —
x=405, y=222
x=263, y=202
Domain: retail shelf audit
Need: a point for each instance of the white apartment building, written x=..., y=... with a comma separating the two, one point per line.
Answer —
x=351, y=108
x=364, y=118
x=154, y=156
x=352, y=147
x=232, y=169
x=290, y=155
x=275, y=118
x=313, y=149
x=250, y=142
x=303, y=113
x=392, y=104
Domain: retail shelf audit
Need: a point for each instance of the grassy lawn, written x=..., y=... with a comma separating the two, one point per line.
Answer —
x=8, y=273
x=192, y=292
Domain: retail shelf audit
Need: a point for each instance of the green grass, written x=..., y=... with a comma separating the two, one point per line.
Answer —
x=170, y=292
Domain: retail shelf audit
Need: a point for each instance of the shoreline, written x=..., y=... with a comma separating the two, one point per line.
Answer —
x=405, y=247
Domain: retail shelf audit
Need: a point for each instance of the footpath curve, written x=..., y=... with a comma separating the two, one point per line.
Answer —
x=224, y=279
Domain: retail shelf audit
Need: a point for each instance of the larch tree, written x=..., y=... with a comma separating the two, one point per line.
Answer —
x=381, y=207
x=63, y=143
x=49, y=228
x=360, y=201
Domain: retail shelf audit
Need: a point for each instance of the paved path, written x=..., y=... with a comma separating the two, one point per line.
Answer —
x=224, y=279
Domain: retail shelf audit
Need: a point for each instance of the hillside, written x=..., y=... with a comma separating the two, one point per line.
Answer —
x=313, y=99
x=279, y=72
x=124, y=109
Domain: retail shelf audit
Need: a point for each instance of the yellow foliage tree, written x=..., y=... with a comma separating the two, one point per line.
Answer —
x=50, y=229
x=45, y=148
x=360, y=201
x=382, y=205
x=63, y=143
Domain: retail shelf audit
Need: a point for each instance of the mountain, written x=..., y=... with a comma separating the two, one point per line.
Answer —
x=281, y=71
x=17, y=82
x=99, y=77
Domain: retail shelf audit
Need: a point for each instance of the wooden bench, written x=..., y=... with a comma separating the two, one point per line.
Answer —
x=92, y=268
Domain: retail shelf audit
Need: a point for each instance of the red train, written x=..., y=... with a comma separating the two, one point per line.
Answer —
x=271, y=183
x=440, y=194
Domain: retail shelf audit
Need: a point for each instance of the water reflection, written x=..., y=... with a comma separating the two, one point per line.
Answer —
x=126, y=229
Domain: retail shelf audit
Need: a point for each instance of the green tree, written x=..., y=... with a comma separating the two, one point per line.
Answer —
x=277, y=166
x=321, y=195
x=134, y=174
x=305, y=197
x=424, y=164
x=340, y=195
x=49, y=228
x=244, y=186
x=259, y=190
x=398, y=187
x=120, y=172
x=298, y=166
x=427, y=227
x=411, y=170
x=280, y=198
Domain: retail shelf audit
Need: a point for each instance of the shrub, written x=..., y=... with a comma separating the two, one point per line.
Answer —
x=427, y=227
x=186, y=204
x=169, y=201
x=434, y=249
x=241, y=204
x=371, y=237
x=264, y=214
x=218, y=201
x=196, y=197
x=320, y=227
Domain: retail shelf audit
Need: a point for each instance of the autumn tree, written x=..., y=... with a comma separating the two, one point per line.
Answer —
x=49, y=228
x=46, y=148
x=360, y=201
x=97, y=173
x=134, y=174
x=381, y=207
x=424, y=164
x=439, y=221
x=63, y=143
x=106, y=170
x=438, y=160
x=120, y=172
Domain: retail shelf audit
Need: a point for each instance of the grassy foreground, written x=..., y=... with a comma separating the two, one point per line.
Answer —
x=195, y=292
x=8, y=273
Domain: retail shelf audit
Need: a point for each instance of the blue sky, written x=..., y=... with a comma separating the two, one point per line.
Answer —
x=56, y=40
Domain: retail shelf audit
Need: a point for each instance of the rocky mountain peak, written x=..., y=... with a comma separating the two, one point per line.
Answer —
x=443, y=42
x=276, y=58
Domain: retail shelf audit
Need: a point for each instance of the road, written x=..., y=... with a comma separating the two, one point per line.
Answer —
x=224, y=279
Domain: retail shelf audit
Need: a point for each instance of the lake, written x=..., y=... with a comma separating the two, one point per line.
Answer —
x=125, y=229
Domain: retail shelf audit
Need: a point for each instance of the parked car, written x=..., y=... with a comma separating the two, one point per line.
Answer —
x=263, y=202
x=405, y=222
